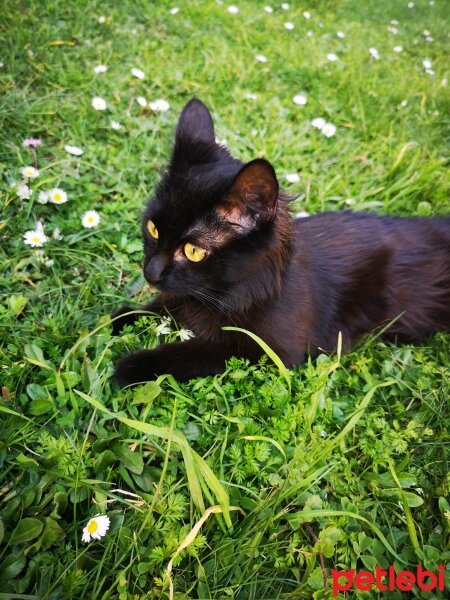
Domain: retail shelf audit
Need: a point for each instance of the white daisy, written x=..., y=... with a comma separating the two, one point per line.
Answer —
x=427, y=64
x=332, y=57
x=306, y=15
x=398, y=49
x=340, y=34
x=268, y=9
x=23, y=191
x=292, y=177
x=43, y=197
x=96, y=528
x=185, y=334
x=141, y=101
x=174, y=10
x=392, y=29
x=430, y=71
x=116, y=125
x=374, y=53
x=159, y=105
x=90, y=219
x=300, y=99
x=221, y=142
x=250, y=96
x=74, y=150
x=233, y=10
x=394, y=22
x=328, y=130
x=425, y=32
x=310, y=33
x=403, y=103
x=138, y=73
x=349, y=201
x=410, y=5
x=318, y=123
x=429, y=39
x=101, y=19
x=98, y=103
x=285, y=6
x=289, y=26
x=100, y=69
x=57, y=234
x=35, y=238
x=29, y=173
x=57, y=196
x=163, y=328
x=261, y=58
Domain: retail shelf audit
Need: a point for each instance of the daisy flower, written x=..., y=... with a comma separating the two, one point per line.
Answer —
x=57, y=234
x=185, y=334
x=100, y=69
x=250, y=96
x=29, y=172
x=349, y=201
x=74, y=150
x=101, y=19
x=90, y=219
x=141, y=101
x=392, y=29
x=159, y=105
x=138, y=73
x=57, y=196
x=318, y=123
x=340, y=34
x=332, y=57
x=328, y=130
x=289, y=26
x=96, y=528
x=233, y=10
x=35, y=238
x=398, y=49
x=410, y=5
x=292, y=177
x=285, y=6
x=32, y=142
x=174, y=10
x=98, y=103
x=300, y=99
x=427, y=64
x=268, y=9
x=116, y=125
x=43, y=197
x=163, y=328
x=23, y=191
x=306, y=15
x=261, y=58
x=374, y=53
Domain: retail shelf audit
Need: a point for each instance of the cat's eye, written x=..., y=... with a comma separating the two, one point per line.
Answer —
x=194, y=253
x=151, y=228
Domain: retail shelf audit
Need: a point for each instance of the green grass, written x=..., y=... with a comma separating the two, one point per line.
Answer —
x=346, y=469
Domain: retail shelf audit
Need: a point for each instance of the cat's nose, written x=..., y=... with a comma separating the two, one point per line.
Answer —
x=155, y=268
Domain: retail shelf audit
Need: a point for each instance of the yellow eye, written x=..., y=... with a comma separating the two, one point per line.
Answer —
x=194, y=253
x=151, y=228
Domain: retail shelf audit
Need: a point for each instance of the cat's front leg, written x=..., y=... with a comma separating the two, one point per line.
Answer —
x=183, y=360
x=120, y=317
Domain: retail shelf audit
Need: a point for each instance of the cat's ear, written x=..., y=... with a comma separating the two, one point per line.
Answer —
x=252, y=198
x=194, y=125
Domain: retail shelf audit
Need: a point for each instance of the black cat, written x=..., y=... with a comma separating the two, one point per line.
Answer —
x=222, y=249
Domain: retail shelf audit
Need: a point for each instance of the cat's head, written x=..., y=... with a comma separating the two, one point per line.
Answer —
x=211, y=221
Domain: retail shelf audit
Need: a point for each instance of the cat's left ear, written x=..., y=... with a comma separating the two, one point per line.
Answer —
x=253, y=196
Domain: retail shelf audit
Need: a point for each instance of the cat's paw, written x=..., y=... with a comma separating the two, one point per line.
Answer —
x=120, y=318
x=134, y=368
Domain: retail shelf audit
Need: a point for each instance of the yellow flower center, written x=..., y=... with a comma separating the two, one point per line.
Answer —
x=90, y=219
x=92, y=526
x=35, y=239
x=57, y=197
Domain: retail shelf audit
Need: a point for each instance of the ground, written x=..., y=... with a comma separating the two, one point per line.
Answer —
x=341, y=463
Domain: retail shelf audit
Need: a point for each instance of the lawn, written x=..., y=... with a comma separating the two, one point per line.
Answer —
x=340, y=464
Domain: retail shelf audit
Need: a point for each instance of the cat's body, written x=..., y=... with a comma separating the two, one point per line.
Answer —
x=294, y=283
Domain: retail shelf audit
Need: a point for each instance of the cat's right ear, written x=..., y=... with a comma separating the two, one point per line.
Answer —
x=195, y=125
